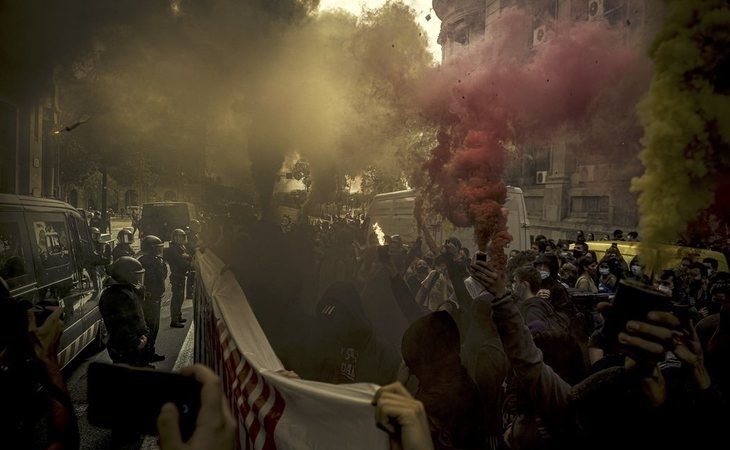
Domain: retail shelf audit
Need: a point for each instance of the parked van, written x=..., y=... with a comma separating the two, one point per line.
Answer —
x=160, y=218
x=393, y=212
x=46, y=255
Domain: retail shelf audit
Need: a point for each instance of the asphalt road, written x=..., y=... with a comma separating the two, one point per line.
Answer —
x=170, y=342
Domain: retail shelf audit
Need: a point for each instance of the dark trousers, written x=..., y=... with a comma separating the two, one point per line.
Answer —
x=178, y=295
x=132, y=357
x=151, y=309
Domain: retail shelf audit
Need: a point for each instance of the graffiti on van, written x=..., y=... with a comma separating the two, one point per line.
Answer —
x=52, y=242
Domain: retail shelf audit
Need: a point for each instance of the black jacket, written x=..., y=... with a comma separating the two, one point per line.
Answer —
x=122, y=313
x=122, y=250
x=430, y=349
x=178, y=259
x=154, y=275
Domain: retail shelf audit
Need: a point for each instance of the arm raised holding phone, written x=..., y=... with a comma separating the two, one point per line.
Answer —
x=215, y=427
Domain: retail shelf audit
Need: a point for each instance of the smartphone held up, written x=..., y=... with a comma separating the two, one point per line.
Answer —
x=130, y=399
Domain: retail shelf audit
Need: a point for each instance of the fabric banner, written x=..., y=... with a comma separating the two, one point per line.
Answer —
x=273, y=411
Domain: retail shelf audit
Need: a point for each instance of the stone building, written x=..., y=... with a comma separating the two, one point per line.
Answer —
x=29, y=150
x=566, y=187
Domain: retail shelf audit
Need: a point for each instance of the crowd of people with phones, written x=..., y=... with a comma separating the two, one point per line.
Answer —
x=516, y=358
x=470, y=356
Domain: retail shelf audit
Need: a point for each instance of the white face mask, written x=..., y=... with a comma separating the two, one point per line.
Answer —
x=544, y=274
x=604, y=271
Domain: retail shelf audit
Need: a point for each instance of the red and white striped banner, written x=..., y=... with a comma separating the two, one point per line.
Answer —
x=273, y=411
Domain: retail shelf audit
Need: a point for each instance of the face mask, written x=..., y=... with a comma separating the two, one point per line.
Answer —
x=577, y=253
x=636, y=270
x=422, y=270
x=604, y=271
x=544, y=274
x=665, y=289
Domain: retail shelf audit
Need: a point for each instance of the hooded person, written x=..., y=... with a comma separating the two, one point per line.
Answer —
x=553, y=290
x=348, y=349
x=547, y=265
x=430, y=350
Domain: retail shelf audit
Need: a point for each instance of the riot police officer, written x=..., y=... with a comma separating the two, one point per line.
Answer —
x=121, y=310
x=193, y=233
x=154, y=288
x=124, y=244
x=103, y=252
x=179, y=260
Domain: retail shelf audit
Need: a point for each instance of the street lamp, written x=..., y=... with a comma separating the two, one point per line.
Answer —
x=73, y=126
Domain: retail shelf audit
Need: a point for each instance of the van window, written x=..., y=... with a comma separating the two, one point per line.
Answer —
x=15, y=258
x=81, y=240
x=50, y=236
x=161, y=219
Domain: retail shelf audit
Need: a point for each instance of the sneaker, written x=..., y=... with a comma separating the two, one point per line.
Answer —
x=177, y=325
x=156, y=358
x=182, y=320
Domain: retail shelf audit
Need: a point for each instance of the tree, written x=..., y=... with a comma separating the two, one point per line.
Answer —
x=376, y=180
x=301, y=172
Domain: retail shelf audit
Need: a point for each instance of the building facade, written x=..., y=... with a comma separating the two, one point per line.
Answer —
x=567, y=188
x=29, y=149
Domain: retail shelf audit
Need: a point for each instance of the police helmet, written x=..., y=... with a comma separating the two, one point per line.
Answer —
x=195, y=226
x=125, y=236
x=151, y=244
x=127, y=270
x=179, y=236
x=95, y=234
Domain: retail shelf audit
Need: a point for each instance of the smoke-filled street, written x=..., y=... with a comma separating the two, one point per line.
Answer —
x=371, y=224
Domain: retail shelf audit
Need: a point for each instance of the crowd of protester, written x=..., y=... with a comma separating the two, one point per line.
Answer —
x=469, y=357
x=484, y=359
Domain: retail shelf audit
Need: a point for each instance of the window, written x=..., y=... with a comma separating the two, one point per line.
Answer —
x=589, y=206
x=16, y=266
x=50, y=237
x=81, y=242
x=534, y=206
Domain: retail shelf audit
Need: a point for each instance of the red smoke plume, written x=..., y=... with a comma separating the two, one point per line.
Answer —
x=503, y=92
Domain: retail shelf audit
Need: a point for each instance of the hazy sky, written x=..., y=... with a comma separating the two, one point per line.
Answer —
x=422, y=7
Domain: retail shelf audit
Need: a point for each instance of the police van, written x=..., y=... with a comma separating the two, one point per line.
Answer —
x=161, y=218
x=47, y=258
x=393, y=213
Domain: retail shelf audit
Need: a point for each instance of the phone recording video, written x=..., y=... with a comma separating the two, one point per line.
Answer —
x=480, y=256
x=130, y=399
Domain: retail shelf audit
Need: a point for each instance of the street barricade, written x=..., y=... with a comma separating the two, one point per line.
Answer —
x=272, y=410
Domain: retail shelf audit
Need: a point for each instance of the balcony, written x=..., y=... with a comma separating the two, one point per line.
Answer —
x=447, y=9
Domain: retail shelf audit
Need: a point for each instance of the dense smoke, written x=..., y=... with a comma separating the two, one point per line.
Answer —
x=244, y=83
x=504, y=94
x=687, y=120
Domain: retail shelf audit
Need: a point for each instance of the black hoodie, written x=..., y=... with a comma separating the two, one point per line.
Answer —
x=345, y=346
x=430, y=349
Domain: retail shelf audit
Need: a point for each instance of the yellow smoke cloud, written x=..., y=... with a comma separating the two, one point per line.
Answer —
x=685, y=118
